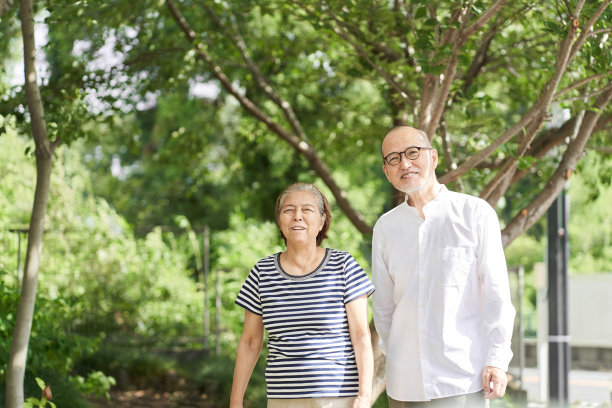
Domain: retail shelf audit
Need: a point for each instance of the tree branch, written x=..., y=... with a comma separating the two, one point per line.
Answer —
x=263, y=83
x=458, y=39
x=484, y=19
x=475, y=159
x=481, y=57
x=535, y=115
x=497, y=187
x=586, y=32
x=301, y=146
x=433, y=96
x=580, y=83
x=579, y=97
x=338, y=29
x=530, y=214
x=479, y=60
x=447, y=152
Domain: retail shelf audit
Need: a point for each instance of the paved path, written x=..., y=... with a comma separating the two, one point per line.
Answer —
x=586, y=388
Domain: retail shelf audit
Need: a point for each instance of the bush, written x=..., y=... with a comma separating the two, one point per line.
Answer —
x=52, y=351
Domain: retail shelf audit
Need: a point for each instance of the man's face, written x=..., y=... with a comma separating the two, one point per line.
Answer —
x=409, y=176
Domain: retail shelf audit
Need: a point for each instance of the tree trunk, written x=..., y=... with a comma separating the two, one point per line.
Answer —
x=44, y=156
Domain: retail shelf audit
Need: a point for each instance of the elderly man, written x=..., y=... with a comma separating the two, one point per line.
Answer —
x=442, y=304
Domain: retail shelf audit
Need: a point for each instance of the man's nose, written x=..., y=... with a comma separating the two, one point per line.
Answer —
x=405, y=162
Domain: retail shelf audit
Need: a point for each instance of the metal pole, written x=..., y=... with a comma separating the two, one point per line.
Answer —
x=206, y=269
x=558, y=333
x=217, y=313
x=541, y=285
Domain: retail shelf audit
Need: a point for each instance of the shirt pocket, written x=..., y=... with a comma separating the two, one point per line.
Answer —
x=457, y=263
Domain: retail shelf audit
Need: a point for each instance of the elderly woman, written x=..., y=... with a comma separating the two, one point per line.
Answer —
x=314, y=304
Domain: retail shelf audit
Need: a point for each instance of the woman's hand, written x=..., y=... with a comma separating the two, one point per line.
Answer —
x=361, y=402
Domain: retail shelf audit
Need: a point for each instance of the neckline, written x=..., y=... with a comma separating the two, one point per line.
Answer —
x=309, y=275
x=430, y=204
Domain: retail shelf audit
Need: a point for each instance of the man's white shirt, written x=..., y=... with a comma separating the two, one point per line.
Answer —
x=442, y=304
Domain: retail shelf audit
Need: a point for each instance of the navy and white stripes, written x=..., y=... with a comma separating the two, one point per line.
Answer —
x=310, y=351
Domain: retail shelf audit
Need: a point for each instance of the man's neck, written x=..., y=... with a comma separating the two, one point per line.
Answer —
x=419, y=199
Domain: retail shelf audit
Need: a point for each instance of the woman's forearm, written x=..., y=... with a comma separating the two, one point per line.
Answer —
x=365, y=364
x=357, y=315
x=246, y=358
x=249, y=349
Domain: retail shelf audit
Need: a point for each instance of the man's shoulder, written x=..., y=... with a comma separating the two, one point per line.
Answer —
x=475, y=205
x=463, y=198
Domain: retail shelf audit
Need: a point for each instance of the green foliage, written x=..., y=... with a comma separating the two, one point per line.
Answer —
x=97, y=383
x=52, y=346
x=127, y=365
x=236, y=251
x=590, y=222
x=42, y=402
x=53, y=349
x=96, y=279
x=216, y=378
x=525, y=251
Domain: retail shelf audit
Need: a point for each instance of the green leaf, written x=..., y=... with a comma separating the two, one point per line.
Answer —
x=41, y=383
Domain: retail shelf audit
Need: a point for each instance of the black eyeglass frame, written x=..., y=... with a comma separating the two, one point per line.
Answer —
x=405, y=153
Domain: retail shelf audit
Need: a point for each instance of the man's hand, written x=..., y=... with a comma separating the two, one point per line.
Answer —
x=494, y=382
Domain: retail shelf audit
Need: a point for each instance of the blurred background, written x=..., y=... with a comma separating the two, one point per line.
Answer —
x=172, y=127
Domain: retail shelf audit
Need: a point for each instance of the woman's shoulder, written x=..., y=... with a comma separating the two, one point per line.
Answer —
x=267, y=261
x=339, y=254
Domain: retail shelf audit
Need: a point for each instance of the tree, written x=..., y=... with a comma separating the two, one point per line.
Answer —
x=44, y=158
x=445, y=59
x=482, y=82
x=512, y=92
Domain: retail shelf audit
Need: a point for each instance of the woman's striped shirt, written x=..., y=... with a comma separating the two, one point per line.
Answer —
x=310, y=351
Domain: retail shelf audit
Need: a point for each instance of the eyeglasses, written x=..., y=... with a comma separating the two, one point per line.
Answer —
x=412, y=153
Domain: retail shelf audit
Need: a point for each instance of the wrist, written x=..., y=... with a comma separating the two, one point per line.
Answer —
x=235, y=404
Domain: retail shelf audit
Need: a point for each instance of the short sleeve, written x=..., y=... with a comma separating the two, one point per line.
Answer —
x=356, y=282
x=248, y=296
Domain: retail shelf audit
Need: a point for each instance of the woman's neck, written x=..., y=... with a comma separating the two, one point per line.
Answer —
x=301, y=260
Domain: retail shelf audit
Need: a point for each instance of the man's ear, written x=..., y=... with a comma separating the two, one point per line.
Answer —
x=434, y=158
x=384, y=169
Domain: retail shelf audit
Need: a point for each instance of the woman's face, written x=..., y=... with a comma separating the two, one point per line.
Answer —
x=300, y=219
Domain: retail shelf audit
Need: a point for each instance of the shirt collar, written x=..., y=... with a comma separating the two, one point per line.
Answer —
x=433, y=204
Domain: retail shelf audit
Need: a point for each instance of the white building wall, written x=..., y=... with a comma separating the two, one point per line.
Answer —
x=590, y=310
